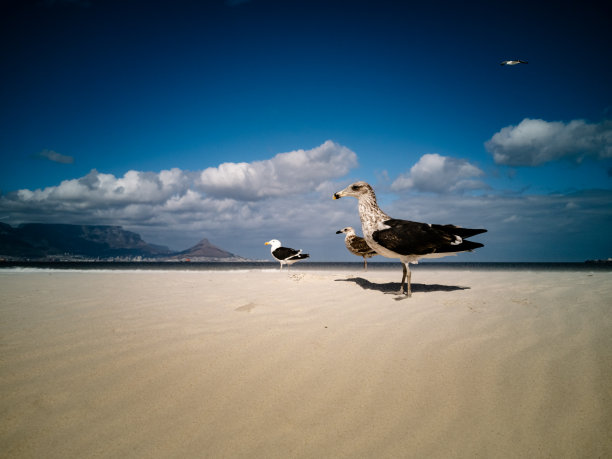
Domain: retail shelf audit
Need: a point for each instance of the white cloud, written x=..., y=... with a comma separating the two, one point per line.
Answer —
x=534, y=141
x=286, y=197
x=440, y=174
x=170, y=207
x=286, y=174
x=105, y=190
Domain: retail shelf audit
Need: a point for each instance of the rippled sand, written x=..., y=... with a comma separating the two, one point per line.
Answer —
x=305, y=364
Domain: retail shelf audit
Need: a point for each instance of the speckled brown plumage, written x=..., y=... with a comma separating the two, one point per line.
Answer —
x=357, y=245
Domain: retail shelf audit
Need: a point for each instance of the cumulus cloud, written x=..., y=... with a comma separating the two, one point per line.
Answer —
x=285, y=174
x=54, y=156
x=105, y=190
x=440, y=174
x=534, y=142
x=177, y=208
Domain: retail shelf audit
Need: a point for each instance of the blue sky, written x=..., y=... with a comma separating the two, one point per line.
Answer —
x=237, y=120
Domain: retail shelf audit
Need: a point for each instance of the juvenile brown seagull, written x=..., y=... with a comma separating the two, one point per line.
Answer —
x=285, y=255
x=357, y=245
x=403, y=239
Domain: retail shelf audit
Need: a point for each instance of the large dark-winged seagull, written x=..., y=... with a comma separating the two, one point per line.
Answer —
x=285, y=255
x=357, y=245
x=403, y=239
x=512, y=62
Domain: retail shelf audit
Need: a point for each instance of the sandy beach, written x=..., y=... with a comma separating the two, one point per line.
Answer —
x=305, y=364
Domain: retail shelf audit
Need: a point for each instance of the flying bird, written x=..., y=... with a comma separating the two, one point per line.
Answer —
x=357, y=245
x=409, y=241
x=285, y=255
x=513, y=62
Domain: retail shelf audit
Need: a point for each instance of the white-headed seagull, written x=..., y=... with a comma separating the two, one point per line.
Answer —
x=409, y=241
x=285, y=255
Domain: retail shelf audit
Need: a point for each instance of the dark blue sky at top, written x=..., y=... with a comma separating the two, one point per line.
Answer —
x=136, y=84
x=148, y=86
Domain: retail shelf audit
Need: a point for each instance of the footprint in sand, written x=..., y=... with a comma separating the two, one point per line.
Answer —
x=246, y=308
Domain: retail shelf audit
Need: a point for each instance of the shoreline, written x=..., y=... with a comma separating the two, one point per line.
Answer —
x=306, y=364
x=307, y=266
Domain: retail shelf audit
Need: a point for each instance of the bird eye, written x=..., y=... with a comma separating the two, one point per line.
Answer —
x=355, y=187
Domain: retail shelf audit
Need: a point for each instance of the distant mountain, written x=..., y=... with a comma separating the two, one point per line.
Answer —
x=204, y=249
x=45, y=241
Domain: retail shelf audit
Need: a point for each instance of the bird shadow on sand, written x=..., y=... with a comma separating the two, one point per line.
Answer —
x=393, y=287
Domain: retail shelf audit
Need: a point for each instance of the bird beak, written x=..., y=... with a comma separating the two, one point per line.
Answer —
x=342, y=193
x=338, y=232
x=267, y=243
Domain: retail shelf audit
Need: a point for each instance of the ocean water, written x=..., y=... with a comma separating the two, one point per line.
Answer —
x=302, y=266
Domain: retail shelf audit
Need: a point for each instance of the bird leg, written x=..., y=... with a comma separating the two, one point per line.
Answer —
x=365, y=264
x=406, y=277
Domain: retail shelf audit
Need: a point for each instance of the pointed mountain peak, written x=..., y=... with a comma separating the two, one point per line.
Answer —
x=205, y=249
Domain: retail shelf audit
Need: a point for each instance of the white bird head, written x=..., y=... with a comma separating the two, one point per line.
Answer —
x=275, y=243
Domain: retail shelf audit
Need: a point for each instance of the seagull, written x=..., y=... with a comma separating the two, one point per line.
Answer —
x=513, y=62
x=403, y=239
x=357, y=245
x=285, y=255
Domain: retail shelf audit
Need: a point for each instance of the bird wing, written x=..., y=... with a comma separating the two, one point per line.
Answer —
x=361, y=246
x=283, y=253
x=413, y=238
x=459, y=231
